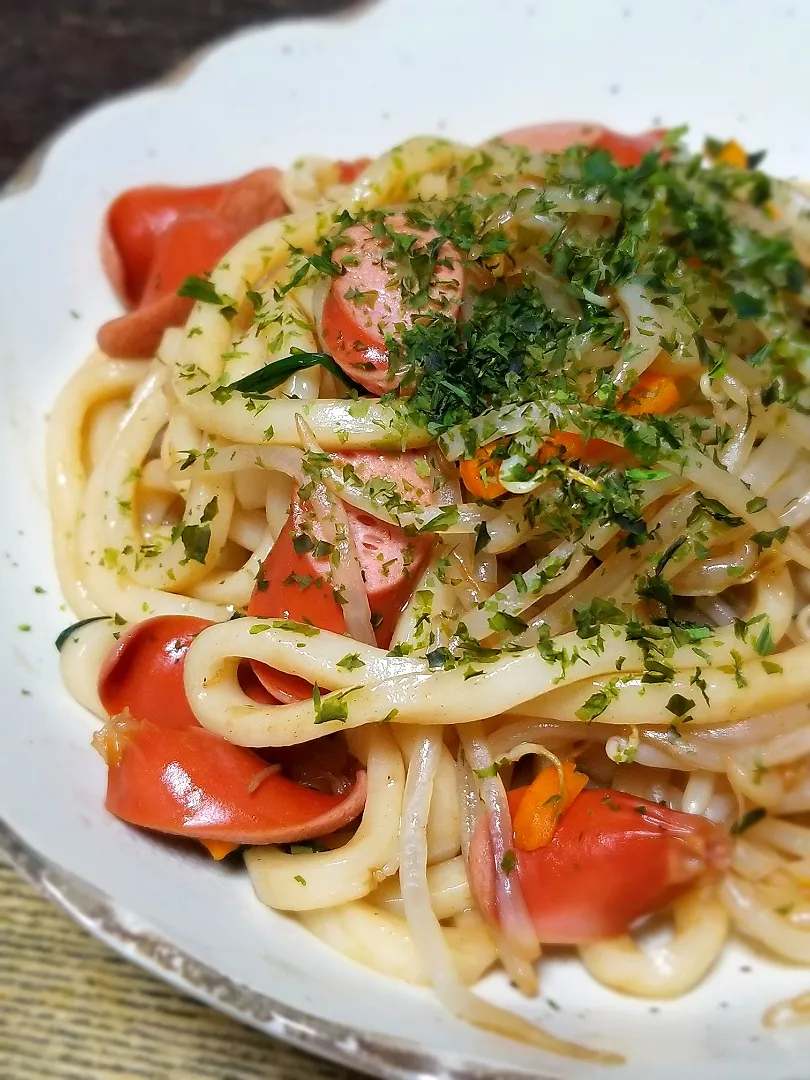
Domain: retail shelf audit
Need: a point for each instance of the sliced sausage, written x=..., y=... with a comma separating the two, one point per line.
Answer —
x=386, y=282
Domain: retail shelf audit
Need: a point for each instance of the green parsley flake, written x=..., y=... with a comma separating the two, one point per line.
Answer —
x=750, y=818
x=332, y=708
x=351, y=662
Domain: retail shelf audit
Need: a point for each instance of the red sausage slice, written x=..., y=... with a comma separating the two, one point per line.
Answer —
x=144, y=671
x=378, y=294
x=554, y=138
x=395, y=473
x=627, y=150
x=190, y=782
x=251, y=200
x=156, y=237
x=613, y=859
x=133, y=223
x=191, y=245
x=391, y=560
x=293, y=585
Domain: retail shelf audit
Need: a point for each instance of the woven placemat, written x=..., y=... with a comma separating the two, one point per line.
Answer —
x=70, y=1009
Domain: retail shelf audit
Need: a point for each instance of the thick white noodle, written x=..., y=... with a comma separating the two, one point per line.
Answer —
x=664, y=971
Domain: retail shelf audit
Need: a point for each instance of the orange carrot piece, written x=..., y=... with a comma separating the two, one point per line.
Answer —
x=479, y=474
x=731, y=153
x=570, y=444
x=544, y=804
x=652, y=393
x=219, y=848
x=562, y=444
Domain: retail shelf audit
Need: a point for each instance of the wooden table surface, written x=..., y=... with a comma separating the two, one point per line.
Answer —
x=69, y=1008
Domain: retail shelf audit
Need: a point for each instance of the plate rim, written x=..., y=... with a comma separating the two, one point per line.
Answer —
x=114, y=924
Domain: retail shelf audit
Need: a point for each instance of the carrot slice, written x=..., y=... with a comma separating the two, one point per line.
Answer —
x=652, y=393
x=479, y=474
x=570, y=444
x=544, y=804
x=731, y=153
x=219, y=848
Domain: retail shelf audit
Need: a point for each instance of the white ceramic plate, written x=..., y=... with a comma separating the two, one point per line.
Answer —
x=341, y=87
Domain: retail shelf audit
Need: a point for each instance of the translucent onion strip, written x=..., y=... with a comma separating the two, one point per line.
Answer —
x=520, y=945
x=427, y=934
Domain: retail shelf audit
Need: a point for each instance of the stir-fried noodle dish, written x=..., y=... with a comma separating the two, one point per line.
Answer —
x=439, y=528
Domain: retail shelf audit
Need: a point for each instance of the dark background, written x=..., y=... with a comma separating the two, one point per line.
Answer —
x=57, y=56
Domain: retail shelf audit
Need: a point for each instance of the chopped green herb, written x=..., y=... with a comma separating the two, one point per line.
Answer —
x=488, y=771
x=591, y=617
x=747, y=306
x=482, y=537
x=294, y=627
x=332, y=708
x=735, y=669
x=679, y=705
x=440, y=659
x=255, y=299
x=74, y=627
x=197, y=288
x=303, y=581
x=260, y=383
x=508, y=862
x=747, y=820
x=774, y=536
x=503, y=622
x=638, y=475
x=351, y=662
x=764, y=643
x=442, y=521
x=303, y=544
x=196, y=540
x=595, y=705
